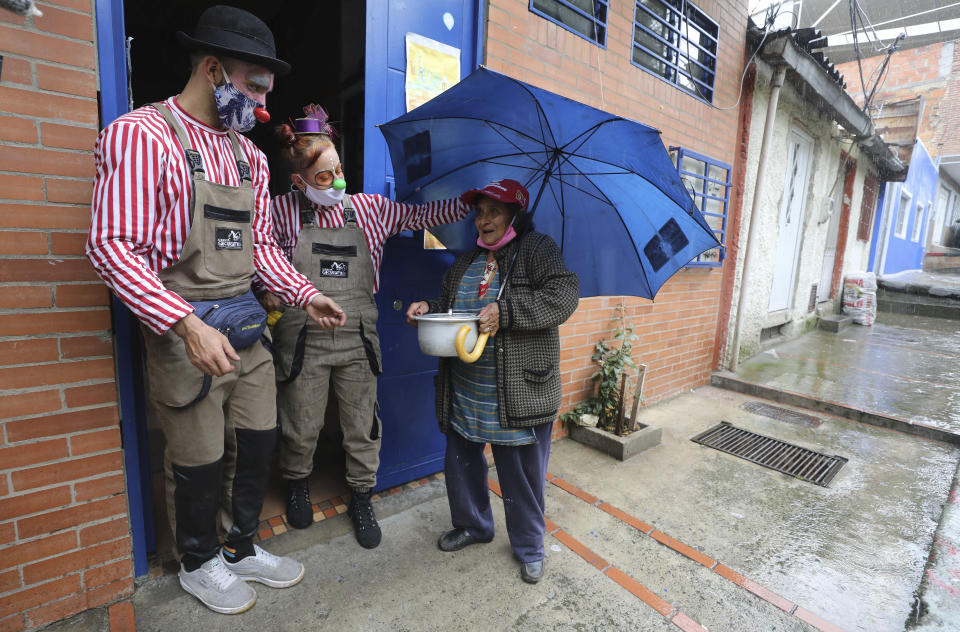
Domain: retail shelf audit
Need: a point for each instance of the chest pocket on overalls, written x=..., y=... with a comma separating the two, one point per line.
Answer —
x=333, y=263
x=232, y=235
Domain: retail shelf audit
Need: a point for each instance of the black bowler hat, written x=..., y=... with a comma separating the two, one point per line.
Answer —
x=235, y=33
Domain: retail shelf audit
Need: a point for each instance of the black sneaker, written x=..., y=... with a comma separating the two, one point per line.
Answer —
x=299, y=509
x=365, y=526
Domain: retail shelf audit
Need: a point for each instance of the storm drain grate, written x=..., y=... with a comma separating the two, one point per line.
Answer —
x=781, y=456
x=781, y=414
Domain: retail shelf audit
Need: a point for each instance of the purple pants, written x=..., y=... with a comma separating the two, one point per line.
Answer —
x=522, y=472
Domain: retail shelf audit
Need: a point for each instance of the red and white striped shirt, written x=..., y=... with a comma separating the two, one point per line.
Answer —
x=377, y=216
x=141, y=211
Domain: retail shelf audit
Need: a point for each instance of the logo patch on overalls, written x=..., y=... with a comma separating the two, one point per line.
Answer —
x=340, y=269
x=229, y=239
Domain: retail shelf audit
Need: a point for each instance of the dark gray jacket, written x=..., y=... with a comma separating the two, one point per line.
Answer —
x=541, y=294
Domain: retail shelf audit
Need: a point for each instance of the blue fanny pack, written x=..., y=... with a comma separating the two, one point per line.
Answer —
x=241, y=319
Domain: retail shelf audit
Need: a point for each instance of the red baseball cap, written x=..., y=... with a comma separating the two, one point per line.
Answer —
x=507, y=191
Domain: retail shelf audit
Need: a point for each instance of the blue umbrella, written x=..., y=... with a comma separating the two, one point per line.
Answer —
x=602, y=186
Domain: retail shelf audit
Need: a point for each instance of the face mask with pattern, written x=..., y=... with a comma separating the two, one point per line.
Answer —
x=235, y=109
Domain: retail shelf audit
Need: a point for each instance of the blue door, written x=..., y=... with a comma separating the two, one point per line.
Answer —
x=412, y=445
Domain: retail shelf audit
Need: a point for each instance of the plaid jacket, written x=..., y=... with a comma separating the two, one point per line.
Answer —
x=541, y=294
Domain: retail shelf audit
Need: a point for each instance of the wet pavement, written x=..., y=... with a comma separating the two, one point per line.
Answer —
x=736, y=546
x=919, y=282
x=907, y=367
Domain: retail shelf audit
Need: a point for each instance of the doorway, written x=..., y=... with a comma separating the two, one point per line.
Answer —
x=349, y=57
x=790, y=225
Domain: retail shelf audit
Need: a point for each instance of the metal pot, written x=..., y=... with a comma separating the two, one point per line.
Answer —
x=450, y=335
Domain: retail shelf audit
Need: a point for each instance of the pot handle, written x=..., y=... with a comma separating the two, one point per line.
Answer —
x=470, y=356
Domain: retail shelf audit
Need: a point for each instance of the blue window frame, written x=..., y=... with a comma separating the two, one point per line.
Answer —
x=708, y=182
x=677, y=42
x=586, y=18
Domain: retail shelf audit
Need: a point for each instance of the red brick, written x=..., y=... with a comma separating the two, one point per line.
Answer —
x=32, y=597
x=99, y=487
x=577, y=547
x=60, y=373
x=70, y=192
x=686, y=624
x=14, y=623
x=76, y=5
x=37, y=270
x=65, y=23
x=71, y=516
x=8, y=533
x=22, y=243
x=45, y=161
x=104, y=531
x=68, y=81
x=108, y=573
x=20, y=187
x=640, y=591
x=63, y=423
x=17, y=71
x=815, y=621
x=122, y=617
x=16, y=129
x=683, y=549
x=26, y=504
x=83, y=295
x=45, y=215
x=29, y=404
x=91, y=395
x=86, y=346
x=57, y=610
x=41, y=46
x=72, y=562
x=764, y=593
x=66, y=471
x=33, y=453
x=27, y=351
x=637, y=524
x=59, y=321
x=573, y=489
x=110, y=592
x=43, y=104
x=39, y=549
x=68, y=136
x=4, y=485
x=98, y=441
x=10, y=581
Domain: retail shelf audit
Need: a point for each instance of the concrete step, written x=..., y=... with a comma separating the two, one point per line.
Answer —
x=834, y=322
x=914, y=305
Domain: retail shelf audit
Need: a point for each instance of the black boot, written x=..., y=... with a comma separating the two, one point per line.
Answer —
x=197, y=501
x=299, y=509
x=365, y=526
x=254, y=448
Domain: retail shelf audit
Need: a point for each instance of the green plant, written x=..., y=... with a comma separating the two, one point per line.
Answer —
x=612, y=361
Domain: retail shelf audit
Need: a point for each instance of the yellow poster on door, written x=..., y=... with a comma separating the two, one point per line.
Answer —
x=432, y=67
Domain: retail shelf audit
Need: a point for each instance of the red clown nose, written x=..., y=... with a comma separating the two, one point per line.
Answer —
x=261, y=115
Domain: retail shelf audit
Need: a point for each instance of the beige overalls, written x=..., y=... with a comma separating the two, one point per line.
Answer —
x=338, y=262
x=216, y=262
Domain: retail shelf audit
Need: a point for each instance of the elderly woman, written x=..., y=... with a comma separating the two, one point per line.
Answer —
x=509, y=397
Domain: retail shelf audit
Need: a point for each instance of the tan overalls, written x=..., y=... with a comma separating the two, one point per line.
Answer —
x=338, y=262
x=216, y=262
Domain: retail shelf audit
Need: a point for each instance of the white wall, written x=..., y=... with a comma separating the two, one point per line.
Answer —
x=792, y=113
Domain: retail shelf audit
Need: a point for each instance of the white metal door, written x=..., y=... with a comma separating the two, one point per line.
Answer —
x=791, y=221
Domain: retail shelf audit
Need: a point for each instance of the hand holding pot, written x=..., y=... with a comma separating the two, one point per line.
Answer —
x=417, y=308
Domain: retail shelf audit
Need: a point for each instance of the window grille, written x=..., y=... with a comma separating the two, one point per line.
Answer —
x=708, y=183
x=586, y=18
x=870, y=189
x=677, y=42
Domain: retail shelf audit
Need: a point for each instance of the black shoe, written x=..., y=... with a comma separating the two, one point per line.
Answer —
x=299, y=509
x=531, y=572
x=457, y=539
x=365, y=526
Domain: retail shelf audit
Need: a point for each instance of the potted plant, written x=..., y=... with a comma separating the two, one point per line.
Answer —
x=601, y=421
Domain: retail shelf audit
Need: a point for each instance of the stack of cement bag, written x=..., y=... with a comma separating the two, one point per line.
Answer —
x=860, y=297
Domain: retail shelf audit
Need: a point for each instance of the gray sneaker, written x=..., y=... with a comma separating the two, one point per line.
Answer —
x=267, y=568
x=217, y=588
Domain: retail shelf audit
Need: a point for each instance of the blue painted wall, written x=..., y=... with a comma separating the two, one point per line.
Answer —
x=905, y=253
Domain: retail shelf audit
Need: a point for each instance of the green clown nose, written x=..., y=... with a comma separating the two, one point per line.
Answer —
x=339, y=184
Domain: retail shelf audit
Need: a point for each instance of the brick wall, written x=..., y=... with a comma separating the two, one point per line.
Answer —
x=64, y=530
x=931, y=71
x=678, y=330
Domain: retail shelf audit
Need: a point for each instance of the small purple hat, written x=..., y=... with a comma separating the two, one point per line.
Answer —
x=315, y=121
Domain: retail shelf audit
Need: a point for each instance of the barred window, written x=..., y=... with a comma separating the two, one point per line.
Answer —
x=708, y=183
x=677, y=42
x=586, y=18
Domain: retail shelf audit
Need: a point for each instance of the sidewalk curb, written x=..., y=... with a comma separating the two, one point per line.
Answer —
x=731, y=382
